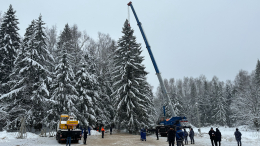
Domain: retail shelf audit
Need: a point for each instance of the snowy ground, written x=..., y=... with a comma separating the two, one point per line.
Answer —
x=249, y=138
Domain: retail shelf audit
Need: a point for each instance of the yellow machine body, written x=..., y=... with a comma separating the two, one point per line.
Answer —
x=67, y=122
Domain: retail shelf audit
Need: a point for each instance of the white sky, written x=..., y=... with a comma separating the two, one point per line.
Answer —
x=187, y=37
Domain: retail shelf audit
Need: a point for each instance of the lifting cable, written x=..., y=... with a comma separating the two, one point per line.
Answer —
x=128, y=16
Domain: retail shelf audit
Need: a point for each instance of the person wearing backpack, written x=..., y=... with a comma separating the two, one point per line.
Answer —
x=179, y=136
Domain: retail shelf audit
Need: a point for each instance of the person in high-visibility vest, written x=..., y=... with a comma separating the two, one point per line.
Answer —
x=103, y=131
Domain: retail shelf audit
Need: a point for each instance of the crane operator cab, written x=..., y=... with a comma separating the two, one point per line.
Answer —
x=165, y=124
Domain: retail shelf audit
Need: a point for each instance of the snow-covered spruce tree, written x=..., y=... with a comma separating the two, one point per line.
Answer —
x=104, y=59
x=256, y=96
x=85, y=103
x=94, y=90
x=205, y=107
x=146, y=89
x=42, y=76
x=1, y=18
x=128, y=77
x=9, y=45
x=228, y=95
x=173, y=96
x=30, y=91
x=64, y=91
x=193, y=99
x=219, y=105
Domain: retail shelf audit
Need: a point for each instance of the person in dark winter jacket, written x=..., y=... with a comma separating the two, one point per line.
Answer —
x=171, y=136
x=157, y=133
x=85, y=136
x=238, y=137
x=212, y=136
x=179, y=137
x=68, y=137
x=89, y=130
x=186, y=136
x=218, y=137
x=110, y=130
x=191, y=135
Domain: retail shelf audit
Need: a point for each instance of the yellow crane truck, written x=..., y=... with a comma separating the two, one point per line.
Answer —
x=68, y=122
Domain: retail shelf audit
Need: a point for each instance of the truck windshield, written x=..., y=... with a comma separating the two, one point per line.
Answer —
x=64, y=118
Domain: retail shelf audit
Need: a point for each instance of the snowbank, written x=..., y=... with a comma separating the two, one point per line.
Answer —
x=228, y=137
x=7, y=136
x=94, y=132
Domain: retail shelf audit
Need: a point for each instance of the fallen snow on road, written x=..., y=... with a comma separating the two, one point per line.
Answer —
x=249, y=138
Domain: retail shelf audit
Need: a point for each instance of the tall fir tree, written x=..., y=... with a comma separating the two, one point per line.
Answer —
x=256, y=96
x=220, y=105
x=9, y=46
x=30, y=78
x=128, y=77
x=85, y=103
x=64, y=91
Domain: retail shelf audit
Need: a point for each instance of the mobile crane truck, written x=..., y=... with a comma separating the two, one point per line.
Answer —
x=174, y=121
x=67, y=122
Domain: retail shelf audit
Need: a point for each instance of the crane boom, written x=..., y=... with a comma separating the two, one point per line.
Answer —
x=165, y=95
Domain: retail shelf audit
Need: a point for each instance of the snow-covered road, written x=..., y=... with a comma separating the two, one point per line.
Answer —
x=249, y=138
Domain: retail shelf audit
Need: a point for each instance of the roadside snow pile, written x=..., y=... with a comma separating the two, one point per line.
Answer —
x=7, y=136
x=94, y=132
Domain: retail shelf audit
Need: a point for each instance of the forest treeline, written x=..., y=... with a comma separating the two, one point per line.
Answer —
x=44, y=74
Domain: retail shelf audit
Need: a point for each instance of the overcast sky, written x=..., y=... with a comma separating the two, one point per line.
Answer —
x=187, y=37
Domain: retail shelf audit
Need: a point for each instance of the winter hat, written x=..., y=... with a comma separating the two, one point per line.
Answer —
x=237, y=129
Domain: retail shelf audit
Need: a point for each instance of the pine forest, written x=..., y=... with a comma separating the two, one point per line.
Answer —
x=44, y=74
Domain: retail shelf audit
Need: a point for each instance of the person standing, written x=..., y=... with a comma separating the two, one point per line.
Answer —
x=185, y=136
x=212, y=136
x=157, y=133
x=110, y=130
x=179, y=137
x=89, y=130
x=238, y=137
x=191, y=136
x=103, y=131
x=218, y=137
x=171, y=136
x=85, y=135
x=68, y=137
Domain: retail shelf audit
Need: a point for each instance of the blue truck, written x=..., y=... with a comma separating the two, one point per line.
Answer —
x=163, y=124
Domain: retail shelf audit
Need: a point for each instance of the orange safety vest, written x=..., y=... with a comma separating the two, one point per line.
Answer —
x=102, y=129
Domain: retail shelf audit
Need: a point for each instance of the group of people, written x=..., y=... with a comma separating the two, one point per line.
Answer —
x=215, y=137
x=85, y=134
x=180, y=136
